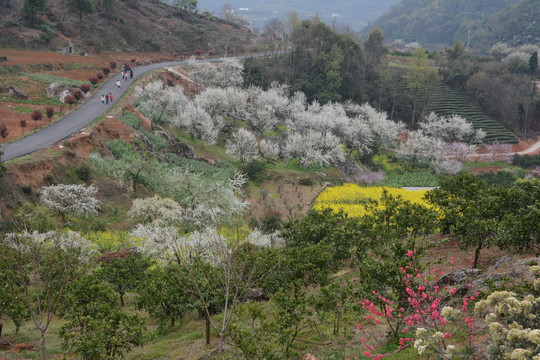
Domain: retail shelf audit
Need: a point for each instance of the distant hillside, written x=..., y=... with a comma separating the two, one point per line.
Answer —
x=437, y=23
x=137, y=25
x=517, y=25
x=357, y=12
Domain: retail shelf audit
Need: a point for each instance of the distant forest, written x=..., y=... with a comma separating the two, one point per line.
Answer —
x=439, y=23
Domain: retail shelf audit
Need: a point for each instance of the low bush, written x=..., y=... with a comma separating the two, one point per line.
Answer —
x=99, y=75
x=49, y=111
x=526, y=161
x=78, y=94
x=307, y=181
x=83, y=172
x=255, y=170
x=93, y=79
x=70, y=100
x=271, y=222
x=85, y=88
x=105, y=70
x=112, y=64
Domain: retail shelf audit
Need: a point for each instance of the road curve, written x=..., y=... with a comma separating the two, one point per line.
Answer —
x=86, y=113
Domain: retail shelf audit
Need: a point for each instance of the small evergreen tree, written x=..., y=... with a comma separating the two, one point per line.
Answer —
x=533, y=63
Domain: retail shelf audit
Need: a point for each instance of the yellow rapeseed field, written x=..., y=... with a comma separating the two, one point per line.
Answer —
x=352, y=198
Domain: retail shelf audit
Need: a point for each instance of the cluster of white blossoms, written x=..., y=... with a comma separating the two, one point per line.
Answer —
x=34, y=243
x=514, y=324
x=71, y=199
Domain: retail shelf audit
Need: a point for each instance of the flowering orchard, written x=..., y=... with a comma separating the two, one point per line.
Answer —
x=352, y=198
x=423, y=314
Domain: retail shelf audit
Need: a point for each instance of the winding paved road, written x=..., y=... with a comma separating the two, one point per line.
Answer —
x=84, y=115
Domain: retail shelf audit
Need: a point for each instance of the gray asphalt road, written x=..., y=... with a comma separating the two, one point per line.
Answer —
x=84, y=115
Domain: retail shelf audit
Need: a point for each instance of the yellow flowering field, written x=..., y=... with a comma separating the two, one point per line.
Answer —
x=352, y=198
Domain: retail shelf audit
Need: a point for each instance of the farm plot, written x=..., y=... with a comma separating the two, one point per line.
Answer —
x=449, y=102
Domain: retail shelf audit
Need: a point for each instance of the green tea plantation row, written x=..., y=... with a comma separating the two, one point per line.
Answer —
x=448, y=102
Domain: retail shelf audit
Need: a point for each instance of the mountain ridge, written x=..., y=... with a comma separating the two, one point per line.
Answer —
x=438, y=23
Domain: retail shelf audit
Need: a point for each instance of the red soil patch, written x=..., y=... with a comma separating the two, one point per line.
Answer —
x=61, y=65
x=34, y=173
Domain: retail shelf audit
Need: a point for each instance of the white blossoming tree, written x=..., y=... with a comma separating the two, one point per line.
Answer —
x=513, y=322
x=242, y=146
x=156, y=101
x=210, y=267
x=71, y=199
x=157, y=210
x=199, y=123
x=44, y=264
x=314, y=147
x=450, y=129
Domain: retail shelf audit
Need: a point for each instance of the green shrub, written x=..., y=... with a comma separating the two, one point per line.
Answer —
x=526, y=161
x=307, y=181
x=255, y=170
x=270, y=222
x=502, y=178
x=83, y=172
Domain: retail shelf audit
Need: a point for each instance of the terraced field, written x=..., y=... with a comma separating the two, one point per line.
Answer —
x=448, y=102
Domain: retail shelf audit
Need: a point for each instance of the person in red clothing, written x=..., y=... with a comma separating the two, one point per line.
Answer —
x=110, y=97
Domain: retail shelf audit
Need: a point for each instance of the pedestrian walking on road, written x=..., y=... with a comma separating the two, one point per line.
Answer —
x=110, y=94
x=102, y=100
x=131, y=74
x=107, y=99
x=118, y=84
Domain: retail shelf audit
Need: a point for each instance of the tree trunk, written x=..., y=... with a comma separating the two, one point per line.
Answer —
x=1, y=326
x=172, y=322
x=42, y=344
x=121, y=300
x=477, y=253
x=220, y=353
x=207, y=330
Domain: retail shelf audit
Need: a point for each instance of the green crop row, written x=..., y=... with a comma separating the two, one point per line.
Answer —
x=448, y=102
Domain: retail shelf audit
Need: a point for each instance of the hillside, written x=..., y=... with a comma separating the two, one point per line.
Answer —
x=357, y=13
x=516, y=25
x=438, y=23
x=127, y=26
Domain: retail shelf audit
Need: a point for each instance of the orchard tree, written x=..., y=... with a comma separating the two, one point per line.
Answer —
x=71, y=199
x=213, y=269
x=482, y=216
x=124, y=273
x=44, y=265
x=163, y=294
x=12, y=301
x=96, y=328
x=453, y=128
x=159, y=104
x=157, y=210
x=199, y=123
x=36, y=116
x=243, y=146
x=49, y=111
x=314, y=147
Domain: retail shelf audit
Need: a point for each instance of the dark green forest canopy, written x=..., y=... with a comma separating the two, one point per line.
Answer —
x=438, y=23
